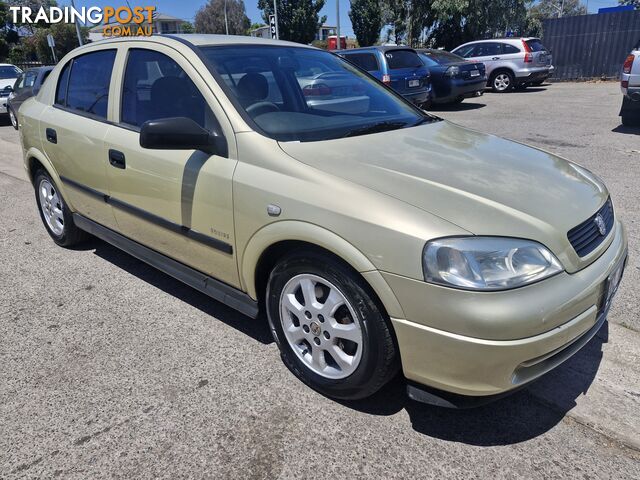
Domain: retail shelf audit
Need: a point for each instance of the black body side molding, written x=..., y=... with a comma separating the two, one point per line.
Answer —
x=216, y=289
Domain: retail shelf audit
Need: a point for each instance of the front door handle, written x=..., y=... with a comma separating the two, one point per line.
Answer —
x=52, y=136
x=495, y=58
x=116, y=159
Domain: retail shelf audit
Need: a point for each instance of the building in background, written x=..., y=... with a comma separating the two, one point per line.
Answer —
x=323, y=33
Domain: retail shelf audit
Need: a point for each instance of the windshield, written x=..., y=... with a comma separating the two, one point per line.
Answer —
x=440, y=57
x=535, y=45
x=304, y=94
x=9, y=71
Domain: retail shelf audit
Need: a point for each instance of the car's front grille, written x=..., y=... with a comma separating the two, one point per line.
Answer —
x=586, y=237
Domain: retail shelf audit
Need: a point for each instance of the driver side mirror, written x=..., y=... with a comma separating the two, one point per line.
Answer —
x=9, y=89
x=179, y=133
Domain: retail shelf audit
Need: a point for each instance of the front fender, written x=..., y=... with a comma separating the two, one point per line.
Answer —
x=292, y=230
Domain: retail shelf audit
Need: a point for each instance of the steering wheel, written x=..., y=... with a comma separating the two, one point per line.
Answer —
x=260, y=108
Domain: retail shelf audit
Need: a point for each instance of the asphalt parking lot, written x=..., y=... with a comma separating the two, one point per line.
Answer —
x=109, y=368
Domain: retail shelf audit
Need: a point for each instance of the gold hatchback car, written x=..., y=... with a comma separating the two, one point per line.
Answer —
x=277, y=177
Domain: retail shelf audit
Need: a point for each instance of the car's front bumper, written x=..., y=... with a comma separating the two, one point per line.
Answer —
x=565, y=311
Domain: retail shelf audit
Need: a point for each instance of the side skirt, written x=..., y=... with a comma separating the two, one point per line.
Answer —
x=216, y=289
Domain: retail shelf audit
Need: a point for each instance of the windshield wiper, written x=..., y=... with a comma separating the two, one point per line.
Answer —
x=375, y=128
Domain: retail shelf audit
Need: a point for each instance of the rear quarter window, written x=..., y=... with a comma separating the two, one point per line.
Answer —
x=397, y=59
x=366, y=61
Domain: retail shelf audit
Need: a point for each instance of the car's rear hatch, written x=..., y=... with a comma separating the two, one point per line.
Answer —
x=541, y=56
x=407, y=73
x=471, y=71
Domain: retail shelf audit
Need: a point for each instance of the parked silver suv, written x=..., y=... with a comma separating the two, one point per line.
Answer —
x=510, y=62
x=630, y=83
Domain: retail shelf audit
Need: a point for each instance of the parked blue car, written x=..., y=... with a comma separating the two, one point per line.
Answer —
x=398, y=67
x=453, y=78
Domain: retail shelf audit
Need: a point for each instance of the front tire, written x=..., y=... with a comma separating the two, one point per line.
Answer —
x=13, y=118
x=55, y=213
x=501, y=81
x=331, y=332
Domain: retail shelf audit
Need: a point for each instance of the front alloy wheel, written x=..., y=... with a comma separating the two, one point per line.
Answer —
x=320, y=327
x=331, y=331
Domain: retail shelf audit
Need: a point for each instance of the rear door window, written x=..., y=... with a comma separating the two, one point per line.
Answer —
x=508, y=49
x=397, y=59
x=366, y=61
x=88, y=84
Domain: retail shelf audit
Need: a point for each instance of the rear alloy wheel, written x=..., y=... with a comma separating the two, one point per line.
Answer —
x=501, y=82
x=13, y=118
x=331, y=333
x=54, y=212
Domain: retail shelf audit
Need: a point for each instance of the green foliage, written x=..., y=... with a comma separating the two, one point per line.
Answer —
x=210, y=18
x=545, y=9
x=187, y=27
x=635, y=3
x=298, y=20
x=366, y=18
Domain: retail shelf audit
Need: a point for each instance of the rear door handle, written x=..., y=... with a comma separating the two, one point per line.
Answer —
x=116, y=159
x=52, y=136
x=495, y=58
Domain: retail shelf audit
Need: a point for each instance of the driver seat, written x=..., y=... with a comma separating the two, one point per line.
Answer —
x=252, y=88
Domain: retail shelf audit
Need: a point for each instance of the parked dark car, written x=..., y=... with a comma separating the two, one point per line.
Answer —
x=398, y=67
x=27, y=85
x=452, y=77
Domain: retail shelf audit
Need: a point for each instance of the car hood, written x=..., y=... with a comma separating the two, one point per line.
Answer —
x=482, y=183
x=6, y=82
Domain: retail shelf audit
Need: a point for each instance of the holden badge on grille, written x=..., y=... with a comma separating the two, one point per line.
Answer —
x=602, y=227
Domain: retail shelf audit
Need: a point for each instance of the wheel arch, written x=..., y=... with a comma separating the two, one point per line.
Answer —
x=274, y=241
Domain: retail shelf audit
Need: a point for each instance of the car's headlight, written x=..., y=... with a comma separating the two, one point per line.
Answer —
x=487, y=263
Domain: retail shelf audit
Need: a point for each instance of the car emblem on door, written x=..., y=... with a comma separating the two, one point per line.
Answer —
x=602, y=227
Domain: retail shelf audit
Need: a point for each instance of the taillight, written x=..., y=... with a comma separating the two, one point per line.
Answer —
x=528, y=56
x=386, y=79
x=316, y=90
x=628, y=64
x=625, y=83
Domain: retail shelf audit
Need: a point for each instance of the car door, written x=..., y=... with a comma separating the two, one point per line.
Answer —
x=489, y=53
x=176, y=202
x=73, y=131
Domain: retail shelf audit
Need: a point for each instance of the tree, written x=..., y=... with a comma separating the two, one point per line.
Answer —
x=187, y=27
x=298, y=20
x=546, y=9
x=450, y=23
x=210, y=18
x=634, y=3
x=366, y=19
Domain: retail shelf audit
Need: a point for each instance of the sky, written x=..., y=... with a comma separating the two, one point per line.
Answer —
x=186, y=9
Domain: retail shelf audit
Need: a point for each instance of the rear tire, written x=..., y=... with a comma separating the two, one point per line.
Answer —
x=13, y=118
x=331, y=332
x=501, y=81
x=54, y=212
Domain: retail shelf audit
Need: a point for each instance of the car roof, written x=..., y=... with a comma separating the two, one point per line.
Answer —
x=503, y=39
x=198, y=40
x=380, y=48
